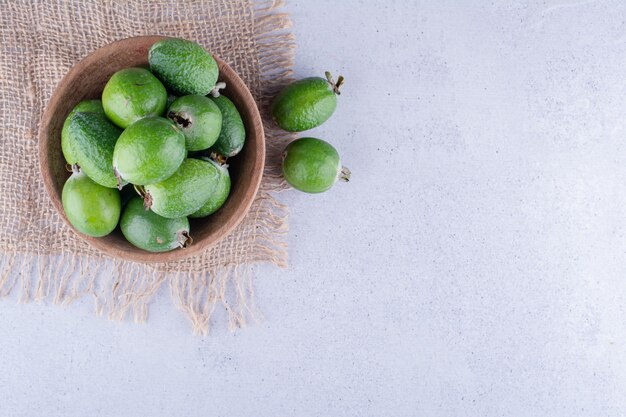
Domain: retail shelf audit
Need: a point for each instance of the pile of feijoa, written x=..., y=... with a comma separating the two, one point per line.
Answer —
x=309, y=164
x=151, y=153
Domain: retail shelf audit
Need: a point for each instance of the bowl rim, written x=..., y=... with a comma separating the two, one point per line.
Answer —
x=253, y=181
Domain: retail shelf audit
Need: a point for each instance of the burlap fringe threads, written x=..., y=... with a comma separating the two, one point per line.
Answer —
x=121, y=289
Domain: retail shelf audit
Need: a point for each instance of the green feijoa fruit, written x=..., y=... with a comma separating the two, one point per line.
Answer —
x=233, y=133
x=306, y=103
x=184, y=66
x=92, y=138
x=151, y=232
x=199, y=118
x=132, y=94
x=312, y=165
x=91, y=208
x=149, y=151
x=87, y=106
x=185, y=192
x=219, y=195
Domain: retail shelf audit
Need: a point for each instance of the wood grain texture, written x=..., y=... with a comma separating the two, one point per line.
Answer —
x=86, y=81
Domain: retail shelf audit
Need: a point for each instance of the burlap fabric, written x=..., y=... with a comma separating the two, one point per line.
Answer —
x=40, y=257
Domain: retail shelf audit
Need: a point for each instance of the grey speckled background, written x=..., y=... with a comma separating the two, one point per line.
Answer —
x=475, y=266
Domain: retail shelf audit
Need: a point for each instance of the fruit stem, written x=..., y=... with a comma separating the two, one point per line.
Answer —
x=215, y=92
x=220, y=159
x=147, y=200
x=184, y=239
x=74, y=168
x=140, y=190
x=344, y=174
x=119, y=178
x=336, y=85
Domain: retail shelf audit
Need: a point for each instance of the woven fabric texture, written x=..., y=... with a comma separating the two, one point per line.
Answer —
x=40, y=256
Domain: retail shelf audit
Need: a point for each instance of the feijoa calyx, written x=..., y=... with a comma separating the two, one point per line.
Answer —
x=149, y=151
x=151, y=232
x=184, y=66
x=91, y=137
x=233, y=133
x=218, y=195
x=91, y=208
x=185, y=192
x=312, y=165
x=199, y=118
x=131, y=94
x=306, y=103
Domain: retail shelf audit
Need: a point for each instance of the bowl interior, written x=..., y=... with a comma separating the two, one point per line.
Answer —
x=86, y=80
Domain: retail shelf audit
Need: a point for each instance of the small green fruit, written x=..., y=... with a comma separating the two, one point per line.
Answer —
x=149, y=151
x=312, y=165
x=87, y=106
x=151, y=232
x=91, y=138
x=184, y=66
x=306, y=104
x=199, y=119
x=233, y=133
x=185, y=192
x=131, y=94
x=91, y=208
x=219, y=195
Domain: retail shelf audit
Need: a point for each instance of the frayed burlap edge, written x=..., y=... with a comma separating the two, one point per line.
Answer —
x=121, y=289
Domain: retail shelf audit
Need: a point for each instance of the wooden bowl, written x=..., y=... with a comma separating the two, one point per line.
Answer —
x=86, y=80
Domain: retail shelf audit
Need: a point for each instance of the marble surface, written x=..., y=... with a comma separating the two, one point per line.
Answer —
x=475, y=265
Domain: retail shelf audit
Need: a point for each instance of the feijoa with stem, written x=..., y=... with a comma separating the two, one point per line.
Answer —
x=92, y=209
x=306, y=103
x=312, y=165
x=92, y=138
x=233, y=133
x=149, y=151
x=199, y=118
x=131, y=94
x=151, y=232
x=184, y=66
x=185, y=192
x=220, y=192
x=86, y=106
